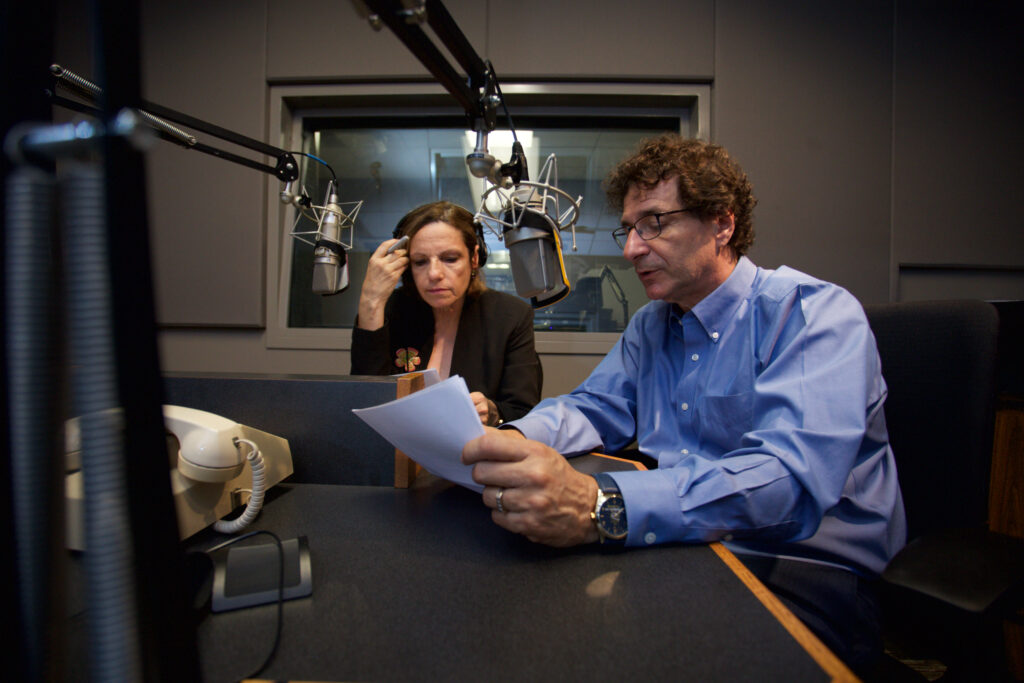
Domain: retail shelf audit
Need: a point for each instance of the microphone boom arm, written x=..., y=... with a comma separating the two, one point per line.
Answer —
x=286, y=169
x=403, y=23
x=478, y=92
x=333, y=218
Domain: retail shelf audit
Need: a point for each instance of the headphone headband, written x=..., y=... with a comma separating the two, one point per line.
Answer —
x=478, y=230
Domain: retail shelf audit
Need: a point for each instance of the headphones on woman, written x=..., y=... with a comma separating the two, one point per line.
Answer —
x=478, y=230
x=481, y=243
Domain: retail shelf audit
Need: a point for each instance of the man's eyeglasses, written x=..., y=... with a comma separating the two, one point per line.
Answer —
x=647, y=227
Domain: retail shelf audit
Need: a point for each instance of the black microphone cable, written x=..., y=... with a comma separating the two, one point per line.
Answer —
x=302, y=200
x=501, y=97
x=280, y=592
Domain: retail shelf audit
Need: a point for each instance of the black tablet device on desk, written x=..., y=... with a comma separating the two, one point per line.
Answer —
x=249, y=575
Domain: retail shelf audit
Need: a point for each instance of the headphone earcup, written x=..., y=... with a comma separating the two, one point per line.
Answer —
x=481, y=243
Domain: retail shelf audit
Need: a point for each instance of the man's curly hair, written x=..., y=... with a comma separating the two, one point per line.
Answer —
x=710, y=182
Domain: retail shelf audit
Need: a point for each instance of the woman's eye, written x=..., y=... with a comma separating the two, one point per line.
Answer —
x=419, y=262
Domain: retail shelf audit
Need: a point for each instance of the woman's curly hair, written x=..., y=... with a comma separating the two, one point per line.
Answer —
x=710, y=182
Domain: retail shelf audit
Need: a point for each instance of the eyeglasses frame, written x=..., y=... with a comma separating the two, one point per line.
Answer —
x=623, y=231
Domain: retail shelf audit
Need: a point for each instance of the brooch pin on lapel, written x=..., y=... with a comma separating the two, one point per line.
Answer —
x=407, y=358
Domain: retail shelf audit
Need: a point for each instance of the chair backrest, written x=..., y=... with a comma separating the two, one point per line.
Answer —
x=939, y=362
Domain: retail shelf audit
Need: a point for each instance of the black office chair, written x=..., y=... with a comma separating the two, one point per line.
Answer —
x=950, y=588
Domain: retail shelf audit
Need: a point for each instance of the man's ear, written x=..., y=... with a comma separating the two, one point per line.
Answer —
x=725, y=225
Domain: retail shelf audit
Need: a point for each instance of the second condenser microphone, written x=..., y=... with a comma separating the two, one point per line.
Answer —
x=530, y=221
x=534, y=248
x=330, y=264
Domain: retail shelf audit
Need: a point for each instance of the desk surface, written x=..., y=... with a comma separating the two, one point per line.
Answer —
x=419, y=584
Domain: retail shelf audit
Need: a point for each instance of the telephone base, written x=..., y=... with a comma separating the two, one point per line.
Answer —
x=197, y=504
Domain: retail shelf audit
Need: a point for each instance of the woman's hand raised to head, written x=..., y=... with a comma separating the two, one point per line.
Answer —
x=383, y=272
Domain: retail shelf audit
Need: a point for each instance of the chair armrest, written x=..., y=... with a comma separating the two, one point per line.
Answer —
x=973, y=569
x=592, y=463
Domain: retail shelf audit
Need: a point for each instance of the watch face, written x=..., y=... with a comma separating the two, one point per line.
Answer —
x=611, y=518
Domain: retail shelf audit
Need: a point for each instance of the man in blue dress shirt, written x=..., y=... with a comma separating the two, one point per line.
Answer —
x=758, y=392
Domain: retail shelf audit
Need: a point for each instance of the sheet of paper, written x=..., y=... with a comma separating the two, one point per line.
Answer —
x=431, y=426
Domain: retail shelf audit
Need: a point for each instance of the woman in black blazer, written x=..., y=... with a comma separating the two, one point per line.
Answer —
x=444, y=317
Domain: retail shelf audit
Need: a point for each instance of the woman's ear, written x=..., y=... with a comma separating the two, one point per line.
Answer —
x=474, y=261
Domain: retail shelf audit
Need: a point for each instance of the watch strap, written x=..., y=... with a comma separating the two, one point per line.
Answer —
x=606, y=483
x=608, y=489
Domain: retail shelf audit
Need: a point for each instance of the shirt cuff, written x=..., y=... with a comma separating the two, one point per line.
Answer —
x=652, y=506
x=531, y=429
x=561, y=427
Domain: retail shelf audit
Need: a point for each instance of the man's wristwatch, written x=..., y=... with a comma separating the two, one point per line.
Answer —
x=610, y=511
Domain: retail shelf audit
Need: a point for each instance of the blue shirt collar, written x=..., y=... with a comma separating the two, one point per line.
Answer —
x=714, y=311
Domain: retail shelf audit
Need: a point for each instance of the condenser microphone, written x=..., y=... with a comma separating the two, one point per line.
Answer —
x=534, y=248
x=330, y=264
x=530, y=222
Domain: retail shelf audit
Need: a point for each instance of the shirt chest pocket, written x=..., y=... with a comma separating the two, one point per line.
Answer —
x=721, y=421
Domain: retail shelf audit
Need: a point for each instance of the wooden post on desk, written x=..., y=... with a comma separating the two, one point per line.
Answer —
x=406, y=469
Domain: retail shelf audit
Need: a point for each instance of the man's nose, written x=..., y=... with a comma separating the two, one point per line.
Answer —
x=635, y=246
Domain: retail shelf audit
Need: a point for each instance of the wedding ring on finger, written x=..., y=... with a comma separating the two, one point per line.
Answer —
x=497, y=499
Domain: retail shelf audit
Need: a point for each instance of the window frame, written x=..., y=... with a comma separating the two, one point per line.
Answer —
x=290, y=104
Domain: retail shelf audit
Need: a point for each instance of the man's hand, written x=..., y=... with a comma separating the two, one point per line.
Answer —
x=485, y=408
x=543, y=497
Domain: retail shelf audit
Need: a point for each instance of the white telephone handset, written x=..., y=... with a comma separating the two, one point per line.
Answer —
x=208, y=473
x=209, y=448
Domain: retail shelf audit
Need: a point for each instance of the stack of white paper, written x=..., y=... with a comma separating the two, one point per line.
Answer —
x=431, y=426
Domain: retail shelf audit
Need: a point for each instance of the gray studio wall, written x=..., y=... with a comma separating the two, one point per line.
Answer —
x=882, y=138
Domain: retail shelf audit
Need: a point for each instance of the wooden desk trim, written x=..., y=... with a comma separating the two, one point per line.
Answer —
x=818, y=651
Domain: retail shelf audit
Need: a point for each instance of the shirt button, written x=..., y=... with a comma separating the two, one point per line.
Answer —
x=727, y=537
x=650, y=538
x=714, y=335
x=685, y=451
x=694, y=357
x=685, y=406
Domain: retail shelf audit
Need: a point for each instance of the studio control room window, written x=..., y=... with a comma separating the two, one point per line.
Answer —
x=396, y=153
